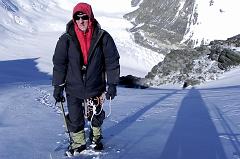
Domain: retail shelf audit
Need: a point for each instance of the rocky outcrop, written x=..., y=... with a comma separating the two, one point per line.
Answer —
x=225, y=52
x=178, y=66
x=228, y=58
x=197, y=65
x=130, y=81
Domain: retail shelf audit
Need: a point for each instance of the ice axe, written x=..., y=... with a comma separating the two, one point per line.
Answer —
x=65, y=120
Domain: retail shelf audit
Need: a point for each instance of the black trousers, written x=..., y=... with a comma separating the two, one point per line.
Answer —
x=75, y=117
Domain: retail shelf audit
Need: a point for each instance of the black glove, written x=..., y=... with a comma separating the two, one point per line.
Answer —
x=111, y=92
x=58, y=94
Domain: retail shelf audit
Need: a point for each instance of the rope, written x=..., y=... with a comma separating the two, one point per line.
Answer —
x=90, y=106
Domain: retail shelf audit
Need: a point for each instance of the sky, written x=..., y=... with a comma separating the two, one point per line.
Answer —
x=169, y=122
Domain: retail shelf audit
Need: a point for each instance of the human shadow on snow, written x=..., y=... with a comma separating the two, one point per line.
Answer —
x=194, y=135
x=125, y=123
x=22, y=70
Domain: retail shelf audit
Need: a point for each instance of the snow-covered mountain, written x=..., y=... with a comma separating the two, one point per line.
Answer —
x=173, y=28
x=27, y=25
x=213, y=20
x=24, y=17
x=163, y=25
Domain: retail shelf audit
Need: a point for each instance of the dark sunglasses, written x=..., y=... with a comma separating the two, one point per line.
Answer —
x=84, y=17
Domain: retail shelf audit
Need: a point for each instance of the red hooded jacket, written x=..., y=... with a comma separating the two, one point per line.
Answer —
x=84, y=39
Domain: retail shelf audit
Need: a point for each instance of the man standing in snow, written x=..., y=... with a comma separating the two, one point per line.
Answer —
x=85, y=61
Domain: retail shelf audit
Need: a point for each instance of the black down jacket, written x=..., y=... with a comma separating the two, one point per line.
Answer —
x=103, y=63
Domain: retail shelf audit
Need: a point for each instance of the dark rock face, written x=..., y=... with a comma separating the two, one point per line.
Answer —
x=161, y=23
x=230, y=42
x=234, y=41
x=130, y=81
x=177, y=67
x=197, y=65
x=228, y=58
x=225, y=53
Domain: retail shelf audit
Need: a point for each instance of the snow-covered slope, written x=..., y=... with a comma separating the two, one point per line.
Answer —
x=30, y=29
x=159, y=122
x=213, y=20
x=227, y=79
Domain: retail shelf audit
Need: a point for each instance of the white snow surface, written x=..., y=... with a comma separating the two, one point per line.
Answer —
x=156, y=123
x=214, y=22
